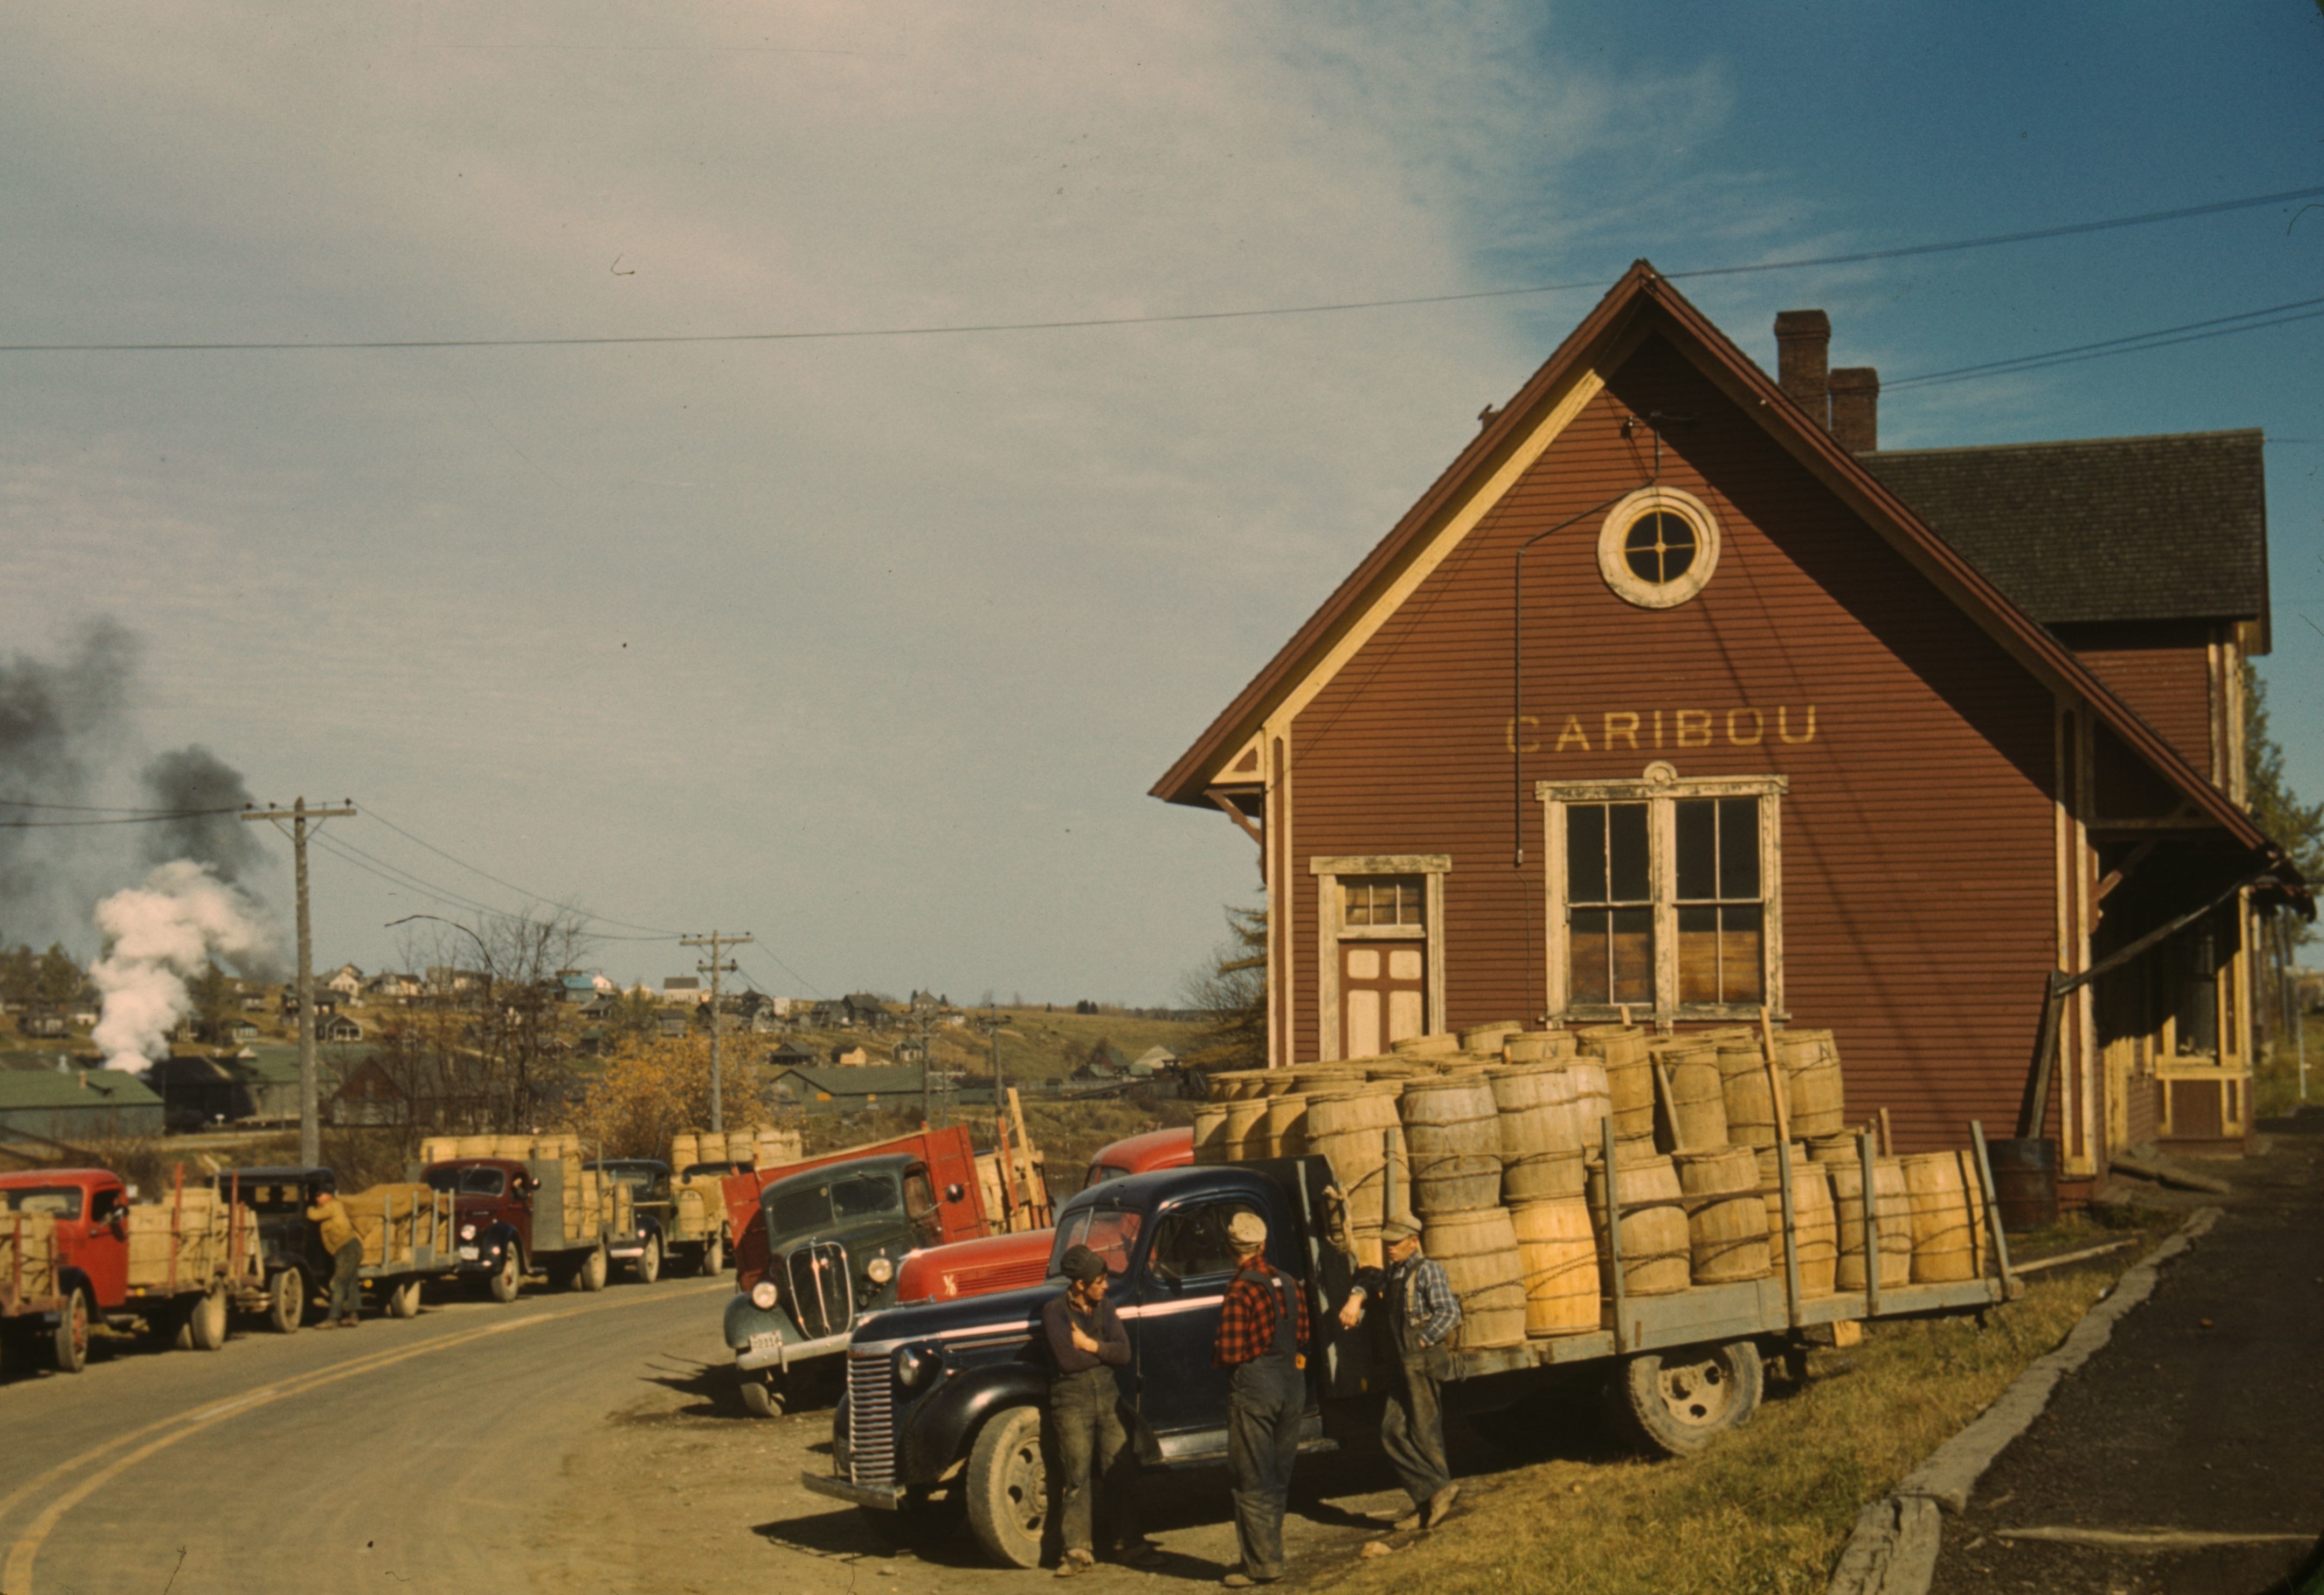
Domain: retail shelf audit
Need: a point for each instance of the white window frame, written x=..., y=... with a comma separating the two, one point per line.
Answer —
x=1660, y=788
x=1432, y=868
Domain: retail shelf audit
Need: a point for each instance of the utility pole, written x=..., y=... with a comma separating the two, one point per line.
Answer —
x=310, y=1132
x=719, y=964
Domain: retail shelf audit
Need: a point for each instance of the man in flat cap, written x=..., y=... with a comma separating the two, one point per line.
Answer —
x=1093, y=1450
x=1263, y=1337
x=1422, y=1312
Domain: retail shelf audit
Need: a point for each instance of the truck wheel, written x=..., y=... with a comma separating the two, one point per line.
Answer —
x=403, y=1300
x=70, y=1346
x=760, y=1397
x=1008, y=1488
x=205, y=1321
x=648, y=1267
x=714, y=1257
x=286, y=1302
x=506, y=1282
x=591, y=1276
x=1678, y=1403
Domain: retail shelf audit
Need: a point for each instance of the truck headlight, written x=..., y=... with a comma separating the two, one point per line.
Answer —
x=467, y=1232
x=915, y=1365
x=763, y=1295
x=880, y=1270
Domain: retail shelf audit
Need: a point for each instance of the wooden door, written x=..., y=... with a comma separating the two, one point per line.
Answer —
x=1383, y=995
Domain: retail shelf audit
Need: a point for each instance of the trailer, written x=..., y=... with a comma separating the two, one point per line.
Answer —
x=947, y=1398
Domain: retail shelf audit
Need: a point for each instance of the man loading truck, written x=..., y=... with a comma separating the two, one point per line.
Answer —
x=330, y=1215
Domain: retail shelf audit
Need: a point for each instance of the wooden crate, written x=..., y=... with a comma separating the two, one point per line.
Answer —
x=28, y=1255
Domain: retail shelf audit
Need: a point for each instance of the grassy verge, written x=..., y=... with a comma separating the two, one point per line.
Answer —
x=1768, y=1508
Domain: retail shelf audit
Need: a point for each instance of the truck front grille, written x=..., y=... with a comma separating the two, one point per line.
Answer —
x=823, y=1296
x=871, y=1419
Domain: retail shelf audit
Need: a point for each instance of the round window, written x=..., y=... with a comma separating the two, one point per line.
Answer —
x=1658, y=547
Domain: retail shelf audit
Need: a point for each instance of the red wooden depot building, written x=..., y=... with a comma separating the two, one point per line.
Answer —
x=1674, y=692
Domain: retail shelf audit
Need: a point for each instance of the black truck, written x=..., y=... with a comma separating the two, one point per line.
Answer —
x=291, y=1246
x=945, y=1398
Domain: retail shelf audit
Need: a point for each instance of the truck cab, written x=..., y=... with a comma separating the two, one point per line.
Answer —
x=492, y=1217
x=834, y=1237
x=90, y=1209
x=290, y=1243
x=647, y=1245
x=952, y=1392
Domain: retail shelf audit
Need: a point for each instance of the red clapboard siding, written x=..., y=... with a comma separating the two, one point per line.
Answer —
x=2163, y=671
x=1919, y=909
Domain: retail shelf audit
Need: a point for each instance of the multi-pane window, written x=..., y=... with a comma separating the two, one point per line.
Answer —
x=1721, y=915
x=1367, y=900
x=1665, y=896
x=1609, y=898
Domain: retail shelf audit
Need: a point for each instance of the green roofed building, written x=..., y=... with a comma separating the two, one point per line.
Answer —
x=77, y=1105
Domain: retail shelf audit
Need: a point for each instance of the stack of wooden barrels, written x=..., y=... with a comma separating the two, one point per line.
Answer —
x=1493, y=1140
x=761, y=1145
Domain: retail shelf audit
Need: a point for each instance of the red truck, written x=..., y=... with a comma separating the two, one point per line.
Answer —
x=1009, y=1262
x=79, y=1253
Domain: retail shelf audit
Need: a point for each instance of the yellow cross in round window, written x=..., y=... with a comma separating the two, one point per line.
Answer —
x=1660, y=547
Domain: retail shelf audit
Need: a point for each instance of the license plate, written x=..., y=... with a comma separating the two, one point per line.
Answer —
x=766, y=1340
x=469, y=1254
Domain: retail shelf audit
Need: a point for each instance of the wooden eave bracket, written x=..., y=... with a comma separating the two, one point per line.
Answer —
x=1224, y=796
x=2129, y=867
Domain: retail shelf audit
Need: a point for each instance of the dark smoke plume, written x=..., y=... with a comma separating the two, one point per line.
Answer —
x=58, y=724
x=192, y=777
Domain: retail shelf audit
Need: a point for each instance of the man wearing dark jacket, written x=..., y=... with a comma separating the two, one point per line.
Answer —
x=1093, y=1450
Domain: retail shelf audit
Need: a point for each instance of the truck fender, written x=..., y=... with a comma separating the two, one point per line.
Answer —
x=502, y=1233
x=942, y=1426
x=70, y=1279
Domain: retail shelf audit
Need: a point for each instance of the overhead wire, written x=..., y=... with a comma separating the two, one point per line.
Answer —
x=1854, y=257
x=134, y=819
x=537, y=897
x=2131, y=343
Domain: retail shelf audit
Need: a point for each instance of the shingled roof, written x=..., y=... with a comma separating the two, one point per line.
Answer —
x=2105, y=529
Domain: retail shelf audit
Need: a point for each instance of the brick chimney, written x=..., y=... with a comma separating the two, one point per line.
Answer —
x=1856, y=408
x=1802, y=360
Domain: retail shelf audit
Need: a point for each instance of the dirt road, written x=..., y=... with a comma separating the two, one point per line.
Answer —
x=565, y=1444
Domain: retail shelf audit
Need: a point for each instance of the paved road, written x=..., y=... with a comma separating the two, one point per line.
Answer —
x=563, y=1444
x=2202, y=1414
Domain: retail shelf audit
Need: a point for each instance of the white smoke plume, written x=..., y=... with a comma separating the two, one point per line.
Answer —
x=157, y=936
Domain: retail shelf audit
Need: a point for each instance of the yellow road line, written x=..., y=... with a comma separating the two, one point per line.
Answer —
x=16, y=1578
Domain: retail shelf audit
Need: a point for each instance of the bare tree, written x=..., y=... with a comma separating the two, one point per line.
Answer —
x=1230, y=994
x=489, y=1045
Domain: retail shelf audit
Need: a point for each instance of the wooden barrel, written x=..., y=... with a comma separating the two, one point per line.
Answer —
x=1230, y=1084
x=1421, y=1047
x=1812, y=1220
x=1657, y=1254
x=1557, y=1258
x=1452, y=1133
x=1365, y=1244
x=1245, y=1135
x=1947, y=1210
x=1478, y=1249
x=1750, y=1100
x=1592, y=1102
x=1488, y=1039
x=1286, y=1125
x=1834, y=1148
x=1893, y=1221
x=1356, y=1131
x=1541, y=1134
x=1698, y=1112
x=1726, y=1218
x=1210, y=1133
x=1811, y=1066
x=1629, y=1078
x=1538, y=1047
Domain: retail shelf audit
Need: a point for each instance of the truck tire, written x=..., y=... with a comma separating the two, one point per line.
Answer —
x=761, y=1397
x=714, y=1257
x=1677, y=1402
x=68, y=1347
x=286, y=1302
x=648, y=1267
x=591, y=1275
x=510, y=1279
x=1007, y=1488
x=205, y=1321
x=403, y=1300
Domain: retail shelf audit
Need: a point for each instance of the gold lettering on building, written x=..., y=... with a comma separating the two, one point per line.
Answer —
x=1745, y=726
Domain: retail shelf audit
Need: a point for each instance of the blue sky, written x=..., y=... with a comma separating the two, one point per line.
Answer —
x=873, y=647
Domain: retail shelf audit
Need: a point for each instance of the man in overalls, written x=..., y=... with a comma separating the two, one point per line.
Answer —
x=1422, y=1312
x=1262, y=1338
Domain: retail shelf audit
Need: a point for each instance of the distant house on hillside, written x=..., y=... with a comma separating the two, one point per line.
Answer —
x=671, y=1024
x=338, y=1028
x=575, y=989
x=1154, y=1060
x=848, y=1091
x=867, y=1013
x=347, y=981
x=790, y=1055
x=369, y=1096
x=327, y=1001
x=41, y=1021
x=231, y=1032
x=682, y=988
x=849, y=1057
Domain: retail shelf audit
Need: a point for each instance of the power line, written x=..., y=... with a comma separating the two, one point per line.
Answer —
x=395, y=875
x=1902, y=252
x=134, y=819
x=794, y=973
x=521, y=891
x=113, y=809
x=2160, y=337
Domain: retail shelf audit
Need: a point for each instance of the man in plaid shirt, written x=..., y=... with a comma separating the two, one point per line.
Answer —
x=1262, y=1338
x=1422, y=1312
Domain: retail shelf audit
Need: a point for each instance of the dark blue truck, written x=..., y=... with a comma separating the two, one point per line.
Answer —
x=942, y=1404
